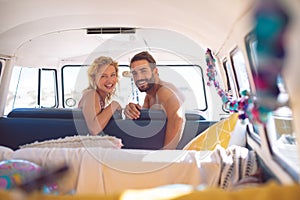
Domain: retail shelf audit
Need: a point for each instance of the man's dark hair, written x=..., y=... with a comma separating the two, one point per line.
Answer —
x=144, y=55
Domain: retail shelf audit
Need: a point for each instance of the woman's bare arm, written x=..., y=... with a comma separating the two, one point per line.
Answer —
x=95, y=119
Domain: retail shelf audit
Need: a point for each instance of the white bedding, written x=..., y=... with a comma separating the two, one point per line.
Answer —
x=5, y=153
x=118, y=170
x=106, y=170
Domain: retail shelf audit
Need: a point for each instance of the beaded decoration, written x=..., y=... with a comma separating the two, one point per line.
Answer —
x=244, y=106
x=271, y=22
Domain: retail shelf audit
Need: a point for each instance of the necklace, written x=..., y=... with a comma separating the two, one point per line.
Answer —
x=102, y=103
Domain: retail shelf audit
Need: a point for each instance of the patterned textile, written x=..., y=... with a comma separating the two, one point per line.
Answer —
x=239, y=167
x=217, y=134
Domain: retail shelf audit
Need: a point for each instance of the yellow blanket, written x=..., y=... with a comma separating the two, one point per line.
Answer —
x=267, y=191
x=217, y=134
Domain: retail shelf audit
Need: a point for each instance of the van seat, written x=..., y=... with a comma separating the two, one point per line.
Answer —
x=39, y=124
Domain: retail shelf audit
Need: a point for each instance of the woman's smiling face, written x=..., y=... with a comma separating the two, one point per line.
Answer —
x=106, y=79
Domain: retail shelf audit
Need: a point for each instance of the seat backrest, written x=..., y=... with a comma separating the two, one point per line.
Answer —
x=137, y=134
x=20, y=131
x=148, y=132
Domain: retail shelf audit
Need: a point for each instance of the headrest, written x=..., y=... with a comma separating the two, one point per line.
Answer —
x=64, y=113
x=58, y=113
x=147, y=114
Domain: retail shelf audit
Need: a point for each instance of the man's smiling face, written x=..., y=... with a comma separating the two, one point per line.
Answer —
x=143, y=75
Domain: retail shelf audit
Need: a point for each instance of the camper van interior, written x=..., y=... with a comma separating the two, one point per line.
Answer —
x=235, y=62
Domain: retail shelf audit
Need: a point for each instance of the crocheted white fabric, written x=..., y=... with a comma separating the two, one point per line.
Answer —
x=238, y=164
x=78, y=141
x=5, y=153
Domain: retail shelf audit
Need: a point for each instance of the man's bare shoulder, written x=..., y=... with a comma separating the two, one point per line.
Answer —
x=168, y=89
x=167, y=86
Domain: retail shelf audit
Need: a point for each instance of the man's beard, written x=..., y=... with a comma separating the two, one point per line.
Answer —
x=150, y=83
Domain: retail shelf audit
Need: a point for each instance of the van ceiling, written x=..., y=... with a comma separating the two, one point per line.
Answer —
x=32, y=26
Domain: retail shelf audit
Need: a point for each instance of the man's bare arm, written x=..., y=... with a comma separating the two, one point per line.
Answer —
x=171, y=103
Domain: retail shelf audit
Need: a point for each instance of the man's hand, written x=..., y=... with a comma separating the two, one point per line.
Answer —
x=132, y=111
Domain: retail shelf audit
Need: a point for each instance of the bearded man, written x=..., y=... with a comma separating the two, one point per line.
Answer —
x=159, y=95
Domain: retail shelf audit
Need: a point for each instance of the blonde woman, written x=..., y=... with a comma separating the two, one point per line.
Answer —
x=95, y=102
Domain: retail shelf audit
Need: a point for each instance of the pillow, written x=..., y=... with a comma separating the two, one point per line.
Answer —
x=218, y=133
x=78, y=141
x=5, y=153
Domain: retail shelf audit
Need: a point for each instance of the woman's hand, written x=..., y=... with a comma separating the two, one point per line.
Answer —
x=115, y=106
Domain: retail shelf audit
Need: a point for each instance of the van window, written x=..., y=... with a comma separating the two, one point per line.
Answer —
x=1, y=69
x=188, y=78
x=240, y=70
x=48, y=88
x=230, y=79
x=75, y=81
x=251, y=44
x=283, y=141
x=31, y=88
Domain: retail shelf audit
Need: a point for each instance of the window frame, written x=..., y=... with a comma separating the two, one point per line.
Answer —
x=159, y=65
x=230, y=74
x=278, y=159
x=56, y=95
x=254, y=134
x=36, y=86
x=234, y=67
x=249, y=39
x=2, y=64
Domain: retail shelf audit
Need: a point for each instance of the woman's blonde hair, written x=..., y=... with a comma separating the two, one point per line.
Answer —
x=94, y=69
